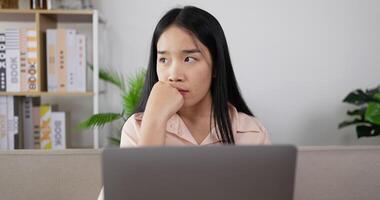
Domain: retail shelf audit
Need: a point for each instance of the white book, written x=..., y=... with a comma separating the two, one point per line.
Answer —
x=27, y=105
x=10, y=127
x=71, y=59
x=12, y=45
x=58, y=124
x=3, y=123
x=51, y=56
x=80, y=78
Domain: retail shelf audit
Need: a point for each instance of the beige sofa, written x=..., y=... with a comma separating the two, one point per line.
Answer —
x=330, y=172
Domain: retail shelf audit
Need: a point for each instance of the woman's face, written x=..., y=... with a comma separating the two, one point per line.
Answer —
x=185, y=63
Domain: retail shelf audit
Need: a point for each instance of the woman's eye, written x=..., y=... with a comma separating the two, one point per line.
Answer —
x=163, y=60
x=190, y=59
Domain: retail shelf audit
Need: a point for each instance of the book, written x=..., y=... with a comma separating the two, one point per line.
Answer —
x=30, y=115
x=62, y=60
x=3, y=64
x=12, y=45
x=32, y=66
x=36, y=127
x=58, y=124
x=23, y=60
x=51, y=54
x=10, y=126
x=71, y=55
x=18, y=122
x=45, y=127
x=3, y=123
x=80, y=82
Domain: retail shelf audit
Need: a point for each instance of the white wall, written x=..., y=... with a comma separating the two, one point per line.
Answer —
x=295, y=60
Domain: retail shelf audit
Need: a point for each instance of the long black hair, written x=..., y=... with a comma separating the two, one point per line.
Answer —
x=224, y=88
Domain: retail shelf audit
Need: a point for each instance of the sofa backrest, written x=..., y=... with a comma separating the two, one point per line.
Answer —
x=323, y=172
x=44, y=174
x=338, y=173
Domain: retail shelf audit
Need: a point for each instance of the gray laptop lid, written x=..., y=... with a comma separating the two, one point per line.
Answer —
x=217, y=172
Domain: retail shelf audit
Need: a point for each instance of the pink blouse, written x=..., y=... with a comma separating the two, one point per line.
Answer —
x=247, y=130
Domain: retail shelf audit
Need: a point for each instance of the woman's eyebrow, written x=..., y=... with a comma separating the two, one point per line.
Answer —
x=186, y=51
x=162, y=52
x=191, y=51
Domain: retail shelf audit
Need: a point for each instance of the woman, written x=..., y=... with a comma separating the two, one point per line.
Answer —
x=191, y=96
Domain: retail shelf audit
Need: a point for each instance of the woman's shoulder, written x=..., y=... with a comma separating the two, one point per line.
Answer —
x=129, y=136
x=247, y=122
x=250, y=130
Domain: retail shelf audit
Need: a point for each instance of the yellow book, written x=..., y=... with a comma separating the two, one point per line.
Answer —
x=45, y=128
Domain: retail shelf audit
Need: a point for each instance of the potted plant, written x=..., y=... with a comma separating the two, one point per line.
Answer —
x=130, y=96
x=366, y=116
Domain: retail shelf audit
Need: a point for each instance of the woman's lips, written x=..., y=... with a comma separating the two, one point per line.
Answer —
x=183, y=92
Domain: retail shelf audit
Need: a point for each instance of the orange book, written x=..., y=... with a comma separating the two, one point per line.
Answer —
x=62, y=60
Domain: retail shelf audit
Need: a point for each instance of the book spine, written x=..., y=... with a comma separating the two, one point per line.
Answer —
x=18, y=123
x=62, y=60
x=3, y=123
x=3, y=64
x=81, y=63
x=58, y=125
x=10, y=114
x=32, y=61
x=28, y=123
x=23, y=60
x=51, y=52
x=36, y=127
x=45, y=120
x=12, y=38
x=71, y=60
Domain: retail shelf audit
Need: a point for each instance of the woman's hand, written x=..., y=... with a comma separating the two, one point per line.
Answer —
x=164, y=101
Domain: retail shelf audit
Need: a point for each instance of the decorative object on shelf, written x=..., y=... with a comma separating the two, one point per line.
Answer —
x=38, y=4
x=7, y=4
x=70, y=4
x=367, y=115
x=130, y=98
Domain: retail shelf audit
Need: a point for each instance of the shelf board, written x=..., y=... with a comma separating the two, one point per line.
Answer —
x=48, y=94
x=44, y=11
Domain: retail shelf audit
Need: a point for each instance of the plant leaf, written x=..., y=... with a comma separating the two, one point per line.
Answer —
x=357, y=97
x=348, y=123
x=373, y=91
x=114, y=140
x=367, y=131
x=359, y=111
x=132, y=97
x=99, y=120
x=372, y=113
x=377, y=96
x=111, y=77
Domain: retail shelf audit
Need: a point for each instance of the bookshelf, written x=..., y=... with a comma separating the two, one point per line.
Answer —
x=42, y=20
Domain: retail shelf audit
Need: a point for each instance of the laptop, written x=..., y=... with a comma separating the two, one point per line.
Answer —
x=200, y=173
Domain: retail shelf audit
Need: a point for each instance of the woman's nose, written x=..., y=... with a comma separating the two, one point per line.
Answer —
x=175, y=74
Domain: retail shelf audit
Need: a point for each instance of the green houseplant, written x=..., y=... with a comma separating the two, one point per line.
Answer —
x=366, y=116
x=130, y=95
